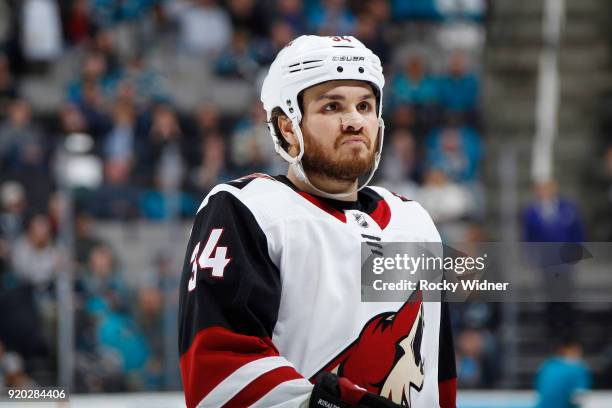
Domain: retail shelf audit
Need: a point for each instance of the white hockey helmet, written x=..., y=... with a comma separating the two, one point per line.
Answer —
x=310, y=60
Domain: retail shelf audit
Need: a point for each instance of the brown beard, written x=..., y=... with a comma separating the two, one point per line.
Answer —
x=317, y=160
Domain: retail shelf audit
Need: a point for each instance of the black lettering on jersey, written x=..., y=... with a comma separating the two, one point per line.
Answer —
x=373, y=242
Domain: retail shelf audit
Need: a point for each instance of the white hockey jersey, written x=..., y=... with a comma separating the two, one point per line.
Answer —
x=270, y=297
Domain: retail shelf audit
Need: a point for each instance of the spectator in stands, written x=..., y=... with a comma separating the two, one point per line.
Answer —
x=208, y=119
x=104, y=45
x=117, y=197
x=108, y=13
x=563, y=378
x=238, y=60
x=405, y=116
x=13, y=211
x=119, y=143
x=79, y=24
x=143, y=82
x=401, y=165
x=163, y=167
x=291, y=12
x=8, y=86
x=450, y=204
x=72, y=120
x=95, y=72
x=552, y=218
x=379, y=10
x=104, y=12
x=477, y=358
x=21, y=143
x=369, y=31
x=93, y=106
x=212, y=168
x=251, y=150
x=413, y=84
x=107, y=298
x=469, y=355
x=250, y=16
x=102, y=278
x=163, y=276
x=97, y=368
x=85, y=239
x=118, y=333
x=132, y=10
x=35, y=257
x=25, y=154
x=459, y=87
x=281, y=33
x=205, y=28
x=208, y=124
x=161, y=151
x=456, y=150
x=56, y=206
x=331, y=17
x=149, y=319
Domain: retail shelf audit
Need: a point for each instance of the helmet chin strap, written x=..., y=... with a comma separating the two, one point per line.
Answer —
x=298, y=169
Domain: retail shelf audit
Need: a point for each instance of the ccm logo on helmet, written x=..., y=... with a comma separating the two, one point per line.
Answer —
x=347, y=58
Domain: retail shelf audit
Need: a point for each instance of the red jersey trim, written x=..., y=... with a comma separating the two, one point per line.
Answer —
x=447, y=391
x=324, y=206
x=382, y=214
x=214, y=354
x=262, y=386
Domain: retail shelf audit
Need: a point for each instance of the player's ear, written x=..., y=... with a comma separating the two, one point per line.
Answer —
x=286, y=128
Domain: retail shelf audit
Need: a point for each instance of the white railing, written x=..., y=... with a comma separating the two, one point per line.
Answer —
x=547, y=103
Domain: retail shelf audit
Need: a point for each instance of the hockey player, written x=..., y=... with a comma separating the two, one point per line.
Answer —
x=270, y=308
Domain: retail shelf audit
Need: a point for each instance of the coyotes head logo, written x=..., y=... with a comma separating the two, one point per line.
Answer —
x=386, y=357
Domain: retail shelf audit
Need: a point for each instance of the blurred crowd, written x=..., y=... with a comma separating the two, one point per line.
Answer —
x=129, y=151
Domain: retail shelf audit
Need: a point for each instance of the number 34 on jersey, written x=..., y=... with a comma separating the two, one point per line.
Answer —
x=212, y=257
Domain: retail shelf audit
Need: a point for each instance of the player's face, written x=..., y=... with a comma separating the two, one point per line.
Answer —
x=340, y=128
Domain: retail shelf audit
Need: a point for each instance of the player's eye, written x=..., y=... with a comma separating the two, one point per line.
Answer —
x=364, y=106
x=330, y=107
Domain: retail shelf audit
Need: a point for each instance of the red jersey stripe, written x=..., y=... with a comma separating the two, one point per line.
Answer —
x=447, y=391
x=262, y=386
x=208, y=361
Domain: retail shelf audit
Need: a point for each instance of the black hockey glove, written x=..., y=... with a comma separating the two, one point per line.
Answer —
x=331, y=391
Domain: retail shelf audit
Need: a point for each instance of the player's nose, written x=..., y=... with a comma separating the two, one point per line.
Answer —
x=351, y=121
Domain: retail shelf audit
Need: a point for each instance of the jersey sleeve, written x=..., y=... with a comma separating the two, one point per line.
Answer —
x=447, y=371
x=229, y=299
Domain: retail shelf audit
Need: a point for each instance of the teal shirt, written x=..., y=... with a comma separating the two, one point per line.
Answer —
x=559, y=381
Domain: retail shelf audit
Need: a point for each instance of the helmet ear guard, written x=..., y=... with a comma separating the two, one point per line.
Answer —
x=312, y=60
